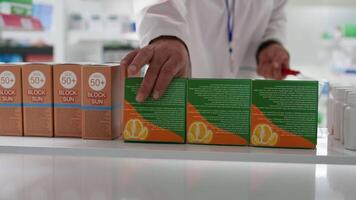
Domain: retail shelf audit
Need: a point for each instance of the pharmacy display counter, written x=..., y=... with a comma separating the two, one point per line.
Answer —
x=328, y=151
x=71, y=169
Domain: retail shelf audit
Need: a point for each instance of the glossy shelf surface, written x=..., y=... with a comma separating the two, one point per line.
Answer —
x=328, y=151
x=42, y=177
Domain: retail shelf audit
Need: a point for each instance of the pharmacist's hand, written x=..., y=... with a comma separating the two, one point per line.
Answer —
x=167, y=58
x=271, y=60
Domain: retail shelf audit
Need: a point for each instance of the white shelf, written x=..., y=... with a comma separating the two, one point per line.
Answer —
x=344, y=42
x=27, y=35
x=76, y=36
x=328, y=151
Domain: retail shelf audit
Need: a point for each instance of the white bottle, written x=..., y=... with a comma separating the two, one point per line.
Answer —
x=338, y=110
x=329, y=111
x=330, y=104
x=329, y=108
x=343, y=106
x=350, y=122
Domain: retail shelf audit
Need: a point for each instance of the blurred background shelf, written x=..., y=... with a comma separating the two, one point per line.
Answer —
x=27, y=50
x=26, y=54
x=76, y=36
x=45, y=36
x=344, y=41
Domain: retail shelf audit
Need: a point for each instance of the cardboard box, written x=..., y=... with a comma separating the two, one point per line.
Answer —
x=10, y=100
x=155, y=121
x=103, y=96
x=284, y=113
x=218, y=111
x=67, y=100
x=37, y=99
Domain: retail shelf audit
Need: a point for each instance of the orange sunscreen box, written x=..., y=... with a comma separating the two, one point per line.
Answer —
x=37, y=99
x=284, y=113
x=10, y=100
x=67, y=100
x=218, y=111
x=161, y=120
x=102, y=99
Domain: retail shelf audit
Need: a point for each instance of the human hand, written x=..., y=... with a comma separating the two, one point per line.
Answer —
x=167, y=58
x=271, y=60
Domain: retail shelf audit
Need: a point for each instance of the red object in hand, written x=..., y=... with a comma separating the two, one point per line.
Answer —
x=286, y=72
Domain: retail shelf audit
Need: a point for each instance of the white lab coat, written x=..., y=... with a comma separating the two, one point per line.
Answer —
x=202, y=25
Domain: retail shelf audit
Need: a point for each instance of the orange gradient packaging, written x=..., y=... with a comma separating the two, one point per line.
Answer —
x=37, y=99
x=284, y=113
x=10, y=100
x=67, y=100
x=103, y=95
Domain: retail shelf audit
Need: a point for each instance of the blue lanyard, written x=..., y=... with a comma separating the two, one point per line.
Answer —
x=230, y=21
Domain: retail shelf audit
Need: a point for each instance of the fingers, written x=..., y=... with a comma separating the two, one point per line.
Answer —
x=268, y=70
x=264, y=65
x=271, y=62
x=147, y=84
x=279, y=61
x=167, y=58
x=128, y=58
x=265, y=70
x=285, y=64
x=150, y=79
x=142, y=58
x=169, y=70
x=276, y=70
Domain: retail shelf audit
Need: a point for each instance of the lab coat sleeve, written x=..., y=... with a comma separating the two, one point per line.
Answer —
x=276, y=29
x=166, y=18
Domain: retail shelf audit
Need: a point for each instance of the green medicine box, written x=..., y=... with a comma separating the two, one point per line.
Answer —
x=218, y=111
x=264, y=113
x=284, y=113
x=160, y=120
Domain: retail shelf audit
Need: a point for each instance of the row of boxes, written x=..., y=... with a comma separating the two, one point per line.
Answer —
x=62, y=100
x=341, y=115
x=225, y=112
x=96, y=102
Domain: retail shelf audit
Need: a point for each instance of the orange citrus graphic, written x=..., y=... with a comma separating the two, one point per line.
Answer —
x=199, y=133
x=134, y=130
x=263, y=135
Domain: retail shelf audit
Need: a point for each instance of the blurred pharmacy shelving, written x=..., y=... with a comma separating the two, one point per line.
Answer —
x=74, y=40
x=317, y=45
x=88, y=31
x=25, y=33
x=105, y=22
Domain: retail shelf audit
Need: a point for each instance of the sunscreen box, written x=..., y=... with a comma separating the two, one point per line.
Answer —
x=37, y=99
x=102, y=100
x=67, y=100
x=10, y=100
